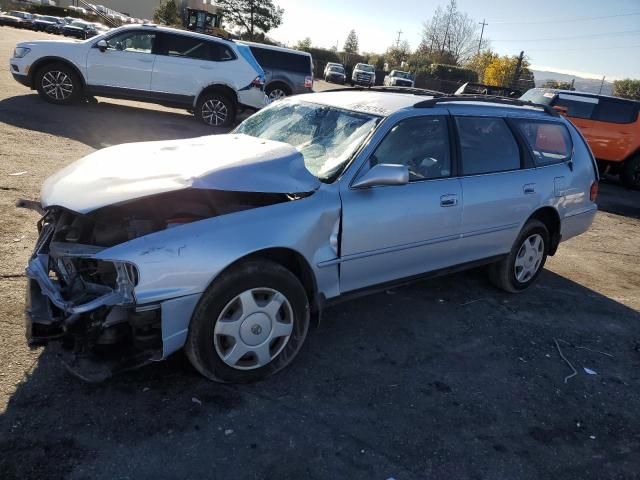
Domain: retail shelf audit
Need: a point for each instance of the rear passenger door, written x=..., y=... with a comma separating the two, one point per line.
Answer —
x=187, y=64
x=498, y=188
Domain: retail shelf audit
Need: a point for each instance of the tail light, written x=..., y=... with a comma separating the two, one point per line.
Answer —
x=258, y=82
x=593, y=192
x=308, y=82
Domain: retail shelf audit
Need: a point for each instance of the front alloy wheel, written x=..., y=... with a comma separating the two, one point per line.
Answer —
x=57, y=83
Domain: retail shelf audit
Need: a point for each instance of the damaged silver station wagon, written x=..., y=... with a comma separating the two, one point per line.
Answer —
x=229, y=245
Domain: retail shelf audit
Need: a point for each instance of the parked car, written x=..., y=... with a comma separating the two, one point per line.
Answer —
x=227, y=245
x=15, y=18
x=288, y=71
x=80, y=29
x=398, y=78
x=43, y=22
x=363, y=74
x=329, y=65
x=611, y=126
x=57, y=28
x=209, y=76
x=471, y=88
x=335, y=74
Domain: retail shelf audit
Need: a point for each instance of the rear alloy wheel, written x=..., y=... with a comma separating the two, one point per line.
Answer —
x=276, y=93
x=249, y=324
x=59, y=84
x=216, y=110
x=630, y=173
x=523, y=264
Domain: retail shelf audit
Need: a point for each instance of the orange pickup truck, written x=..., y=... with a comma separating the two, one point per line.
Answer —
x=610, y=125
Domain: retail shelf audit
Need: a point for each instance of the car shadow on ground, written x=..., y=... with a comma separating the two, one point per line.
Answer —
x=615, y=198
x=446, y=378
x=102, y=124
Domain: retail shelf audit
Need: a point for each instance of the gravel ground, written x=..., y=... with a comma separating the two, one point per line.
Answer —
x=443, y=379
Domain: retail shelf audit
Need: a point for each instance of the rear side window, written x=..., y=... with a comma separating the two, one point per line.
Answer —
x=616, y=111
x=292, y=62
x=577, y=106
x=486, y=145
x=549, y=142
x=196, y=48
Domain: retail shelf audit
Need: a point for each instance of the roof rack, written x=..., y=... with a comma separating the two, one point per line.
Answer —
x=411, y=90
x=486, y=99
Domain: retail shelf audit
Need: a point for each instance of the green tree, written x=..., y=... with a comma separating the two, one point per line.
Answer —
x=351, y=43
x=627, y=88
x=252, y=16
x=502, y=71
x=396, y=54
x=480, y=61
x=304, y=44
x=167, y=13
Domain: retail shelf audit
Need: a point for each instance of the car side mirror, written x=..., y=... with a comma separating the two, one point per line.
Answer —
x=102, y=45
x=384, y=174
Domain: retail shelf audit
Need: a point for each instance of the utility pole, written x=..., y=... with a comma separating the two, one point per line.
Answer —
x=516, y=75
x=398, y=40
x=484, y=24
x=601, y=85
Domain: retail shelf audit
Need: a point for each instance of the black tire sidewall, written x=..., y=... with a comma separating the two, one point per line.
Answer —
x=76, y=93
x=200, y=344
x=231, y=109
x=531, y=228
x=627, y=172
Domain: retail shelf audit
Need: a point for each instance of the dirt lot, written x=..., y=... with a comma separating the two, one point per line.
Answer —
x=444, y=379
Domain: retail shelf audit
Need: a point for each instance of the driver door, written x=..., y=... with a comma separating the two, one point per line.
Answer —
x=394, y=232
x=127, y=63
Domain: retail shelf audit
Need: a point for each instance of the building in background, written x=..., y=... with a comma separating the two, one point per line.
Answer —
x=145, y=9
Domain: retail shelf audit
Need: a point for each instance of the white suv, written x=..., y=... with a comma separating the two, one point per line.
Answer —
x=209, y=76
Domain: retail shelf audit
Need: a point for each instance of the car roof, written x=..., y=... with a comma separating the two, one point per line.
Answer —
x=385, y=103
x=274, y=47
x=584, y=94
x=179, y=31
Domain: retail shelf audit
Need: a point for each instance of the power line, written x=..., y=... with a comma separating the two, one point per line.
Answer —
x=578, y=49
x=564, y=20
x=591, y=35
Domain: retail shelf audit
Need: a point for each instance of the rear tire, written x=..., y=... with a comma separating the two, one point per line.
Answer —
x=232, y=313
x=630, y=173
x=520, y=268
x=216, y=110
x=59, y=84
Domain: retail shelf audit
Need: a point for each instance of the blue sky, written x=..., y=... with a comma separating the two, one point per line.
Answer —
x=590, y=48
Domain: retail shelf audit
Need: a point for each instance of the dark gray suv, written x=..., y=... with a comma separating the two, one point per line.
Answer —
x=288, y=72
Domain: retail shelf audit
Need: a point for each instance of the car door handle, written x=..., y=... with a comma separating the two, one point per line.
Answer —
x=448, y=200
x=529, y=188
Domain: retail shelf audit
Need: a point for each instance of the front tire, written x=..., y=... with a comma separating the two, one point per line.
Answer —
x=59, y=84
x=520, y=268
x=249, y=324
x=630, y=173
x=215, y=110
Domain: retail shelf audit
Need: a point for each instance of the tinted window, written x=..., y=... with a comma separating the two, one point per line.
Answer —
x=197, y=48
x=549, y=142
x=576, y=105
x=420, y=143
x=486, y=145
x=616, y=111
x=292, y=62
x=140, y=42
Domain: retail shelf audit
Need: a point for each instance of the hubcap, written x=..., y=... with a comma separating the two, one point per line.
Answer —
x=277, y=94
x=214, y=112
x=529, y=258
x=253, y=328
x=57, y=85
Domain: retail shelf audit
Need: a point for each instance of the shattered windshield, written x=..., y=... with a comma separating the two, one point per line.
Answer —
x=326, y=136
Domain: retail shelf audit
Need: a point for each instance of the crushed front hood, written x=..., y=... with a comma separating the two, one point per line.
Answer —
x=232, y=162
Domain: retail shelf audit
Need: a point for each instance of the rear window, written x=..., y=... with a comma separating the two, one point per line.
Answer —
x=549, y=142
x=486, y=146
x=577, y=106
x=196, y=48
x=292, y=62
x=616, y=111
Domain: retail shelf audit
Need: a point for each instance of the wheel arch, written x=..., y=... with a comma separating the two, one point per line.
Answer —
x=220, y=88
x=551, y=219
x=279, y=83
x=44, y=61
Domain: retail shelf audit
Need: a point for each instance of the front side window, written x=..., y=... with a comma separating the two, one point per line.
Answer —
x=486, y=145
x=326, y=136
x=420, y=143
x=137, y=42
x=577, y=106
x=549, y=142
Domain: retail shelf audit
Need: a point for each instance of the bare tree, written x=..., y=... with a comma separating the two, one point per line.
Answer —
x=450, y=35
